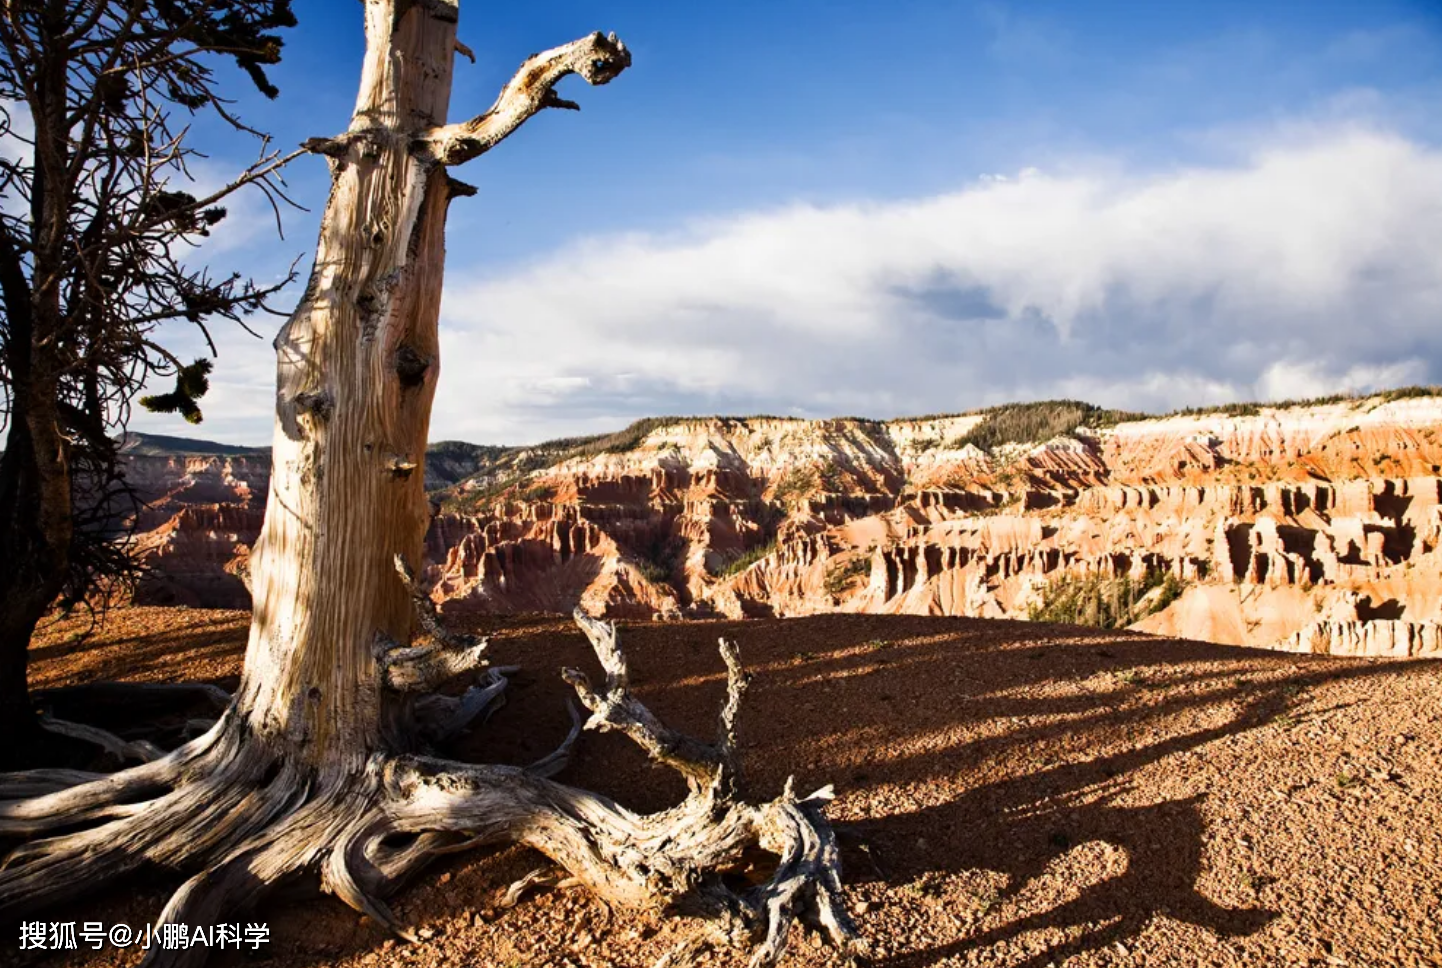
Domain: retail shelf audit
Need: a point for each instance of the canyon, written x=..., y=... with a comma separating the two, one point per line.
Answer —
x=1310, y=527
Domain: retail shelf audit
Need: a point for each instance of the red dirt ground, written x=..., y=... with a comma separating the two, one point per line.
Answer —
x=1009, y=794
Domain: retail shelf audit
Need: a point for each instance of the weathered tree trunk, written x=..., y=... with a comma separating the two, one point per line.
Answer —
x=24, y=606
x=319, y=762
x=357, y=367
x=24, y=596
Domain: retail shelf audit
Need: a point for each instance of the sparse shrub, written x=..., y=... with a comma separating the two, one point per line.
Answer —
x=659, y=559
x=536, y=493
x=929, y=884
x=653, y=572
x=842, y=573
x=1109, y=603
x=1171, y=589
x=746, y=559
x=1009, y=477
x=1255, y=409
x=1407, y=393
x=620, y=442
x=986, y=900
x=1034, y=423
x=795, y=485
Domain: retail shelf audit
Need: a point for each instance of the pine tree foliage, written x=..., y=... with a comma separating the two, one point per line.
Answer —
x=100, y=221
x=191, y=382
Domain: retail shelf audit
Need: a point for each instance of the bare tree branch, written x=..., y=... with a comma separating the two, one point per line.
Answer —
x=597, y=58
x=96, y=228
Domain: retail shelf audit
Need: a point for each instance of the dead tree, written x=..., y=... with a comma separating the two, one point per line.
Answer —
x=319, y=764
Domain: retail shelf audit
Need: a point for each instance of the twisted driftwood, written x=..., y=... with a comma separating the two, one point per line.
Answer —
x=241, y=819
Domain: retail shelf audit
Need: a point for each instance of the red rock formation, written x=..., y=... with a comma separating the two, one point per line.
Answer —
x=200, y=557
x=201, y=515
x=1276, y=523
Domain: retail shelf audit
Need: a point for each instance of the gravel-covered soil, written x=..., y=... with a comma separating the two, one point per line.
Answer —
x=1009, y=794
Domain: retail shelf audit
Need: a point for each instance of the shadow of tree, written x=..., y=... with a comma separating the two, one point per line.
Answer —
x=1032, y=820
x=1055, y=715
x=960, y=748
x=122, y=648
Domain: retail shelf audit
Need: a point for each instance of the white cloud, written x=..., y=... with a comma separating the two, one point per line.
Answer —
x=1286, y=380
x=240, y=406
x=18, y=131
x=1315, y=262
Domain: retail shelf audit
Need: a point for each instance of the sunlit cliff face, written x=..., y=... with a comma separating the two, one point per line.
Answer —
x=1312, y=527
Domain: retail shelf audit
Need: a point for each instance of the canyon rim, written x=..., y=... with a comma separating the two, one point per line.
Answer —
x=1310, y=527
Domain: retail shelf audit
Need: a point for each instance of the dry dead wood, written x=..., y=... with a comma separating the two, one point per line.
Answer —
x=241, y=820
x=323, y=762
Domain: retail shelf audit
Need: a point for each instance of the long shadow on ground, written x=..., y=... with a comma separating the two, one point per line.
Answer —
x=1012, y=741
x=956, y=745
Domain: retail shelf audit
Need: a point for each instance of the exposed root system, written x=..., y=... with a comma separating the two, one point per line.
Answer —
x=237, y=815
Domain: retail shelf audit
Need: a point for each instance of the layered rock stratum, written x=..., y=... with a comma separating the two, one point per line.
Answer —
x=1307, y=527
x=203, y=504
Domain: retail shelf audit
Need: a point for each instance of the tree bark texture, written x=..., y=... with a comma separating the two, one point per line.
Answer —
x=356, y=372
x=321, y=763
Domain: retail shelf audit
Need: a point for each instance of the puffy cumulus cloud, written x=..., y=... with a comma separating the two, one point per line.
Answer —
x=1305, y=268
x=1300, y=381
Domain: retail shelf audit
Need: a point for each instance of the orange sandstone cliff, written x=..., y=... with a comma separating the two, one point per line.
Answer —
x=1310, y=527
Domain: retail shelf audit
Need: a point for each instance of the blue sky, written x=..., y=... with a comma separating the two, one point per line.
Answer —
x=885, y=208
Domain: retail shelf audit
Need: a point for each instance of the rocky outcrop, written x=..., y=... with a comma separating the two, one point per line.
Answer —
x=202, y=505
x=1310, y=528
x=538, y=563
x=1390, y=638
x=167, y=484
x=193, y=534
x=200, y=556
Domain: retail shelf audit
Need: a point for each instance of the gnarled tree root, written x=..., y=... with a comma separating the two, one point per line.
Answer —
x=240, y=817
x=120, y=720
x=67, y=702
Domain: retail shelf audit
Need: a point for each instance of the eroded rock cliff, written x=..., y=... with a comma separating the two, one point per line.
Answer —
x=1311, y=528
x=202, y=507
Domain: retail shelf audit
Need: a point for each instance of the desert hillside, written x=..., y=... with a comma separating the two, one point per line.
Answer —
x=1009, y=795
x=1310, y=527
